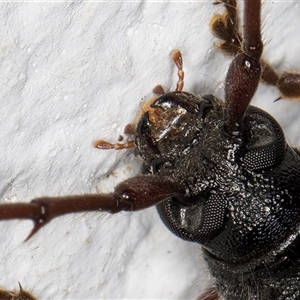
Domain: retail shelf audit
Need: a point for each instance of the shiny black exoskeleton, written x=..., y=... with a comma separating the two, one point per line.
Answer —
x=245, y=210
x=220, y=173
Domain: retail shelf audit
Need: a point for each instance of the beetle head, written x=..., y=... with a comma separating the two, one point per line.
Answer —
x=231, y=178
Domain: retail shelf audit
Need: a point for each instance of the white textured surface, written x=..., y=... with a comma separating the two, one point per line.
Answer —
x=72, y=72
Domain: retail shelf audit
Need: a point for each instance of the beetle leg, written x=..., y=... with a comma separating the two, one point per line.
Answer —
x=226, y=27
x=210, y=294
x=20, y=295
x=289, y=86
x=133, y=194
x=244, y=72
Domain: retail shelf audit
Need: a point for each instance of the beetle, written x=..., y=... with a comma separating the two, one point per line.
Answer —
x=16, y=295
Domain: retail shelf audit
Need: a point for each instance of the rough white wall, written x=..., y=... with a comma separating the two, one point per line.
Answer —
x=72, y=72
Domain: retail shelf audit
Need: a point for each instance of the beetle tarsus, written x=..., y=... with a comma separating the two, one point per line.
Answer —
x=226, y=27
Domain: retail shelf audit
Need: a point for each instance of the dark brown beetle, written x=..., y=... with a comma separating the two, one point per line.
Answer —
x=231, y=128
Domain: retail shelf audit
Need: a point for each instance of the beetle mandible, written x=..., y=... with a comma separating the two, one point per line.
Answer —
x=160, y=164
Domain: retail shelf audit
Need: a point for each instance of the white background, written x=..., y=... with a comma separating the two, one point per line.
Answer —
x=73, y=72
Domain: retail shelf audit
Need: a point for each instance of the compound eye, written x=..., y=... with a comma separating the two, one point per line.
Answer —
x=266, y=145
x=200, y=222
